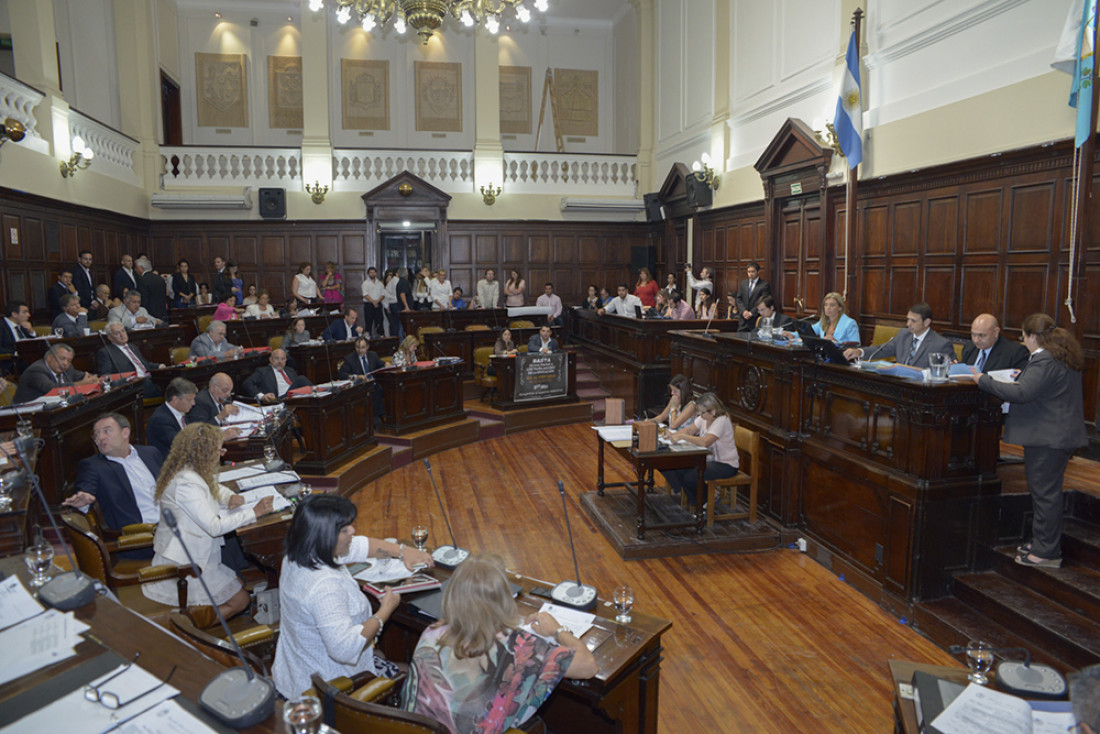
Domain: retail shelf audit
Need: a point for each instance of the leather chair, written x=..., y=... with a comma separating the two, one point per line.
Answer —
x=134, y=536
x=9, y=391
x=204, y=322
x=521, y=324
x=482, y=378
x=427, y=330
x=477, y=327
x=220, y=649
x=180, y=354
x=43, y=330
x=275, y=342
x=747, y=441
x=884, y=333
x=97, y=325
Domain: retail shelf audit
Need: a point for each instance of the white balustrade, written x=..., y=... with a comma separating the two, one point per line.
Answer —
x=448, y=171
x=18, y=101
x=114, y=152
x=569, y=175
x=256, y=167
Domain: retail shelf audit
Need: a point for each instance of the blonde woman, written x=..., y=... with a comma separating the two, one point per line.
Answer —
x=422, y=290
x=205, y=511
x=406, y=352
x=712, y=429
x=834, y=323
x=477, y=669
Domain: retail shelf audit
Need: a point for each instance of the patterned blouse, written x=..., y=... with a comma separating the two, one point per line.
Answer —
x=486, y=694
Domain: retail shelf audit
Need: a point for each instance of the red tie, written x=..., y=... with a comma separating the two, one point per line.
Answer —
x=133, y=358
x=283, y=373
x=183, y=421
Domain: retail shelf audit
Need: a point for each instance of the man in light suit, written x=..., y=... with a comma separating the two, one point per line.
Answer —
x=270, y=384
x=989, y=351
x=154, y=292
x=53, y=370
x=359, y=365
x=121, y=477
x=749, y=293
x=169, y=419
x=912, y=345
x=213, y=342
x=543, y=342
x=343, y=329
x=132, y=314
x=121, y=356
x=71, y=321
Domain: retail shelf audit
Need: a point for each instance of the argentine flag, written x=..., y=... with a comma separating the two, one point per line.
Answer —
x=848, y=119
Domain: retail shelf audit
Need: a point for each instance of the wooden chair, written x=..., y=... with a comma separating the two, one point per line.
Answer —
x=747, y=441
x=9, y=391
x=350, y=716
x=204, y=322
x=97, y=325
x=180, y=354
x=366, y=688
x=522, y=324
x=427, y=330
x=477, y=327
x=220, y=649
x=884, y=333
x=135, y=536
x=482, y=378
x=43, y=330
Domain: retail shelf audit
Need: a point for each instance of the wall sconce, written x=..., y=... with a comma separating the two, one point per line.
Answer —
x=317, y=192
x=80, y=159
x=489, y=194
x=12, y=130
x=827, y=138
x=704, y=173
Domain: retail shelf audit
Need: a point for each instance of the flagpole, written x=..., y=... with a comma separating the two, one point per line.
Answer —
x=853, y=174
x=1083, y=194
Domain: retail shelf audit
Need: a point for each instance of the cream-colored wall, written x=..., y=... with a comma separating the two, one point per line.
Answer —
x=168, y=44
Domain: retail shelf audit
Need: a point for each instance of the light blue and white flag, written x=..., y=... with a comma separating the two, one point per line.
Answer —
x=848, y=118
x=1080, y=92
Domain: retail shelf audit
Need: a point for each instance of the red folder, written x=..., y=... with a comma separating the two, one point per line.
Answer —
x=81, y=389
x=429, y=363
x=117, y=376
x=299, y=391
x=250, y=350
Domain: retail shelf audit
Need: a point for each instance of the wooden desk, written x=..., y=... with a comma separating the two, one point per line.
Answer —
x=67, y=434
x=257, y=332
x=463, y=344
x=251, y=447
x=905, y=711
x=156, y=345
x=456, y=319
x=420, y=398
x=623, y=695
x=336, y=425
x=200, y=373
x=321, y=362
x=644, y=463
x=506, y=382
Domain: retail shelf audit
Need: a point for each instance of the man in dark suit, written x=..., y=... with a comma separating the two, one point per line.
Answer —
x=121, y=356
x=749, y=293
x=214, y=405
x=154, y=293
x=125, y=278
x=913, y=344
x=169, y=419
x=270, y=384
x=767, y=309
x=83, y=279
x=72, y=320
x=221, y=283
x=15, y=326
x=53, y=370
x=343, y=329
x=121, y=477
x=359, y=365
x=989, y=351
x=543, y=342
x=63, y=286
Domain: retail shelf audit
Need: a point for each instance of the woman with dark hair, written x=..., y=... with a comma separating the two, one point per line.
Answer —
x=646, y=288
x=476, y=669
x=332, y=285
x=681, y=403
x=184, y=288
x=251, y=295
x=515, y=289
x=235, y=282
x=708, y=309
x=592, y=300
x=304, y=287
x=327, y=625
x=297, y=334
x=712, y=430
x=204, y=298
x=1046, y=417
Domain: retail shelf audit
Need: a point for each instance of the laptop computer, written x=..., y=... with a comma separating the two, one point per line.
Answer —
x=804, y=328
x=825, y=350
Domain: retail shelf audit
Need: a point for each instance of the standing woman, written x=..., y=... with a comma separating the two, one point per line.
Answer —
x=235, y=282
x=184, y=287
x=332, y=285
x=205, y=511
x=1046, y=417
x=422, y=290
x=250, y=295
x=304, y=287
x=205, y=298
x=327, y=625
x=646, y=288
x=834, y=323
x=712, y=429
x=514, y=290
x=392, y=320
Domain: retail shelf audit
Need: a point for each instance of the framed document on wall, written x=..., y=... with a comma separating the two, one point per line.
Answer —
x=221, y=85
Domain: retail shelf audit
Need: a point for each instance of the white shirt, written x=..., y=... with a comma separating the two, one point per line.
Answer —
x=13, y=328
x=257, y=311
x=281, y=383
x=724, y=450
x=178, y=415
x=623, y=306
x=127, y=350
x=488, y=293
x=373, y=289
x=307, y=286
x=143, y=483
x=440, y=293
x=391, y=293
x=553, y=301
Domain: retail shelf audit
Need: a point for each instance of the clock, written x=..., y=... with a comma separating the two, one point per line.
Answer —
x=572, y=594
x=1031, y=681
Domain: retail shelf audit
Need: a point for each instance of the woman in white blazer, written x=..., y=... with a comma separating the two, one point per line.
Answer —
x=205, y=511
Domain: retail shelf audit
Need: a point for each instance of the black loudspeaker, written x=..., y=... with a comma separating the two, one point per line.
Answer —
x=653, y=211
x=643, y=256
x=698, y=192
x=273, y=203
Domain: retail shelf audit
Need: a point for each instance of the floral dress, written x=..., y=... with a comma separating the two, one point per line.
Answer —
x=485, y=694
x=334, y=294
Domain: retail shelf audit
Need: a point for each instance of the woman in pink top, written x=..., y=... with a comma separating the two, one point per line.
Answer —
x=514, y=290
x=646, y=289
x=712, y=429
x=227, y=311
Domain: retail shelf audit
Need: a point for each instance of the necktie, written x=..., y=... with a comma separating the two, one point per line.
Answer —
x=912, y=352
x=283, y=373
x=981, y=360
x=364, y=361
x=183, y=421
x=57, y=378
x=133, y=358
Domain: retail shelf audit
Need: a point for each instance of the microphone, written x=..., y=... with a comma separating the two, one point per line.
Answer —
x=236, y=697
x=76, y=396
x=447, y=556
x=879, y=349
x=71, y=589
x=247, y=333
x=328, y=359
x=569, y=593
x=706, y=330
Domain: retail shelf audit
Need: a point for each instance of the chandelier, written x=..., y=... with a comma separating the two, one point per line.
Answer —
x=425, y=16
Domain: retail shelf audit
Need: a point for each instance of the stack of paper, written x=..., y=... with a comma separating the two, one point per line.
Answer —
x=262, y=479
x=253, y=497
x=382, y=570
x=41, y=640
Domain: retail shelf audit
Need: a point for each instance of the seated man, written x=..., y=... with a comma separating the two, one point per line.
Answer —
x=359, y=366
x=214, y=405
x=53, y=370
x=270, y=384
x=769, y=314
x=73, y=319
x=101, y=309
x=120, y=357
x=121, y=477
x=457, y=301
x=913, y=344
x=988, y=351
x=170, y=418
x=679, y=308
x=213, y=343
x=543, y=342
x=15, y=327
x=343, y=329
x=625, y=304
x=132, y=314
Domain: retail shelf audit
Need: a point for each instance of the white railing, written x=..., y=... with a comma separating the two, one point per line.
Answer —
x=275, y=167
x=18, y=101
x=450, y=171
x=114, y=152
x=562, y=173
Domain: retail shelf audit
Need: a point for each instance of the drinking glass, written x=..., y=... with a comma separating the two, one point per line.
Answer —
x=269, y=453
x=58, y=333
x=623, y=599
x=979, y=656
x=24, y=428
x=302, y=715
x=937, y=364
x=305, y=490
x=105, y=383
x=64, y=394
x=420, y=537
x=5, y=492
x=39, y=559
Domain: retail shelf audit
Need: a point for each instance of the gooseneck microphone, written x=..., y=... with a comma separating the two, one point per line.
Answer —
x=236, y=697
x=447, y=556
x=572, y=593
x=879, y=349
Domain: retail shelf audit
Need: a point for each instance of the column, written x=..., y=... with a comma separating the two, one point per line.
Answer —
x=139, y=84
x=316, y=145
x=488, y=152
x=647, y=95
x=34, y=48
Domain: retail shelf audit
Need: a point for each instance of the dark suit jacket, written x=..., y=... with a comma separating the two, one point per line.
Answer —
x=534, y=344
x=70, y=329
x=107, y=480
x=781, y=321
x=352, y=366
x=162, y=428
x=205, y=410
x=746, y=300
x=122, y=282
x=85, y=288
x=154, y=294
x=110, y=359
x=1047, y=405
x=221, y=286
x=1005, y=355
x=262, y=381
x=7, y=339
x=38, y=379
x=898, y=347
x=54, y=296
x=338, y=331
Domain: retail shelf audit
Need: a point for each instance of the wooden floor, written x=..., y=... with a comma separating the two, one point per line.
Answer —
x=761, y=642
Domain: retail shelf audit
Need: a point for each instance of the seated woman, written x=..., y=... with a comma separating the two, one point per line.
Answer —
x=262, y=308
x=712, y=430
x=477, y=670
x=708, y=309
x=592, y=300
x=504, y=346
x=834, y=323
x=681, y=403
x=227, y=311
x=251, y=296
x=204, y=511
x=297, y=334
x=662, y=304
x=406, y=352
x=327, y=625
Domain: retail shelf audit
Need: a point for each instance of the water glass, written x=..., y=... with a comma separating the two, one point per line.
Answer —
x=24, y=428
x=269, y=453
x=979, y=656
x=63, y=393
x=302, y=715
x=5, y=491
x=305, y=490
x=59, y=333
x=39, y=559
x=420, y=537
x=937, y=364
x=105, y=383
x=623, y=599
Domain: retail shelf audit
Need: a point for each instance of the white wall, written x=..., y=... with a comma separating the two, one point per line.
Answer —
x=627, y=71
x=86, y=48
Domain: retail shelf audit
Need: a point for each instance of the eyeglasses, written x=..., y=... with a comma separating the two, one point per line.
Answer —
x=110, y=699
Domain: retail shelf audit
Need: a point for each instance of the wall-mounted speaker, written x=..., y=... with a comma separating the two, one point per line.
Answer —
x=653, y=211
x=273, y=203
x=698, y=192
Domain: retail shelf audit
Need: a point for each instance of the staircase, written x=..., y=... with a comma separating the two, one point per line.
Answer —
x=589, y=388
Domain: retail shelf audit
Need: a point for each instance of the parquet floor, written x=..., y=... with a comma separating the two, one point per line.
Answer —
x=762, y=642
